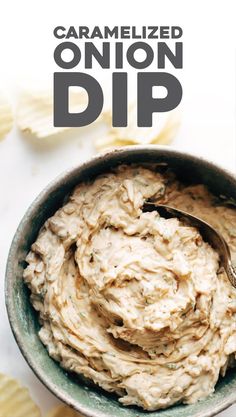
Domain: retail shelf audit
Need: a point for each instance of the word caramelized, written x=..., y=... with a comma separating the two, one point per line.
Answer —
x=117, y=55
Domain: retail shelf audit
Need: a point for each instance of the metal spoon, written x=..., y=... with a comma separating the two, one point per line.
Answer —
x=208, y=233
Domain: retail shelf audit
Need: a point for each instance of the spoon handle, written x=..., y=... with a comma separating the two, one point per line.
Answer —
x=231, y=272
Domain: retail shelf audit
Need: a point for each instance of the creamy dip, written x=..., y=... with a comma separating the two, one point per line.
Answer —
x=135, y=302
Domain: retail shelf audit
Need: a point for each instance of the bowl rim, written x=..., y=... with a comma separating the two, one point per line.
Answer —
x=52, y=186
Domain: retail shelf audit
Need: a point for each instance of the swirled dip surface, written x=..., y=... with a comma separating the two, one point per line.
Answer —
x=132, y=301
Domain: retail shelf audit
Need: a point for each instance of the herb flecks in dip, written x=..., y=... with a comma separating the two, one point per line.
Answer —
x=132, y=301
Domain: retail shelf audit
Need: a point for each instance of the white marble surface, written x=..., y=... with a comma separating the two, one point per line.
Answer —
x=208, y=110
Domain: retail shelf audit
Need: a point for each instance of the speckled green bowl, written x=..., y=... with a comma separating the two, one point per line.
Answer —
x=24, y=321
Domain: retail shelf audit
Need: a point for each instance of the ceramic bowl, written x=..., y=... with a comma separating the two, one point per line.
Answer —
x=88, y=400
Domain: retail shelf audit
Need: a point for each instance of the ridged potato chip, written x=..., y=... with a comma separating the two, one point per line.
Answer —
x=35, y=111
x=63, y=411
x=15, y=400
x=6, y=117
x=169, y=130
x=163, y=131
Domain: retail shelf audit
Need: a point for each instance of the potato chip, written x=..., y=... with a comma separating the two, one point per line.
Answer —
x=111, y=140
x=6, y=117
x=169, y=131
x=15, y=400
x=35, y=111
x=164, y=129
x=63, y=411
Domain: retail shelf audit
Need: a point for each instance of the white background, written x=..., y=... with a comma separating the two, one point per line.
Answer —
x=26, y=166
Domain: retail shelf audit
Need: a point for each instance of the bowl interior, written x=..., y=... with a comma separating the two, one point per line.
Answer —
x=24, y=320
